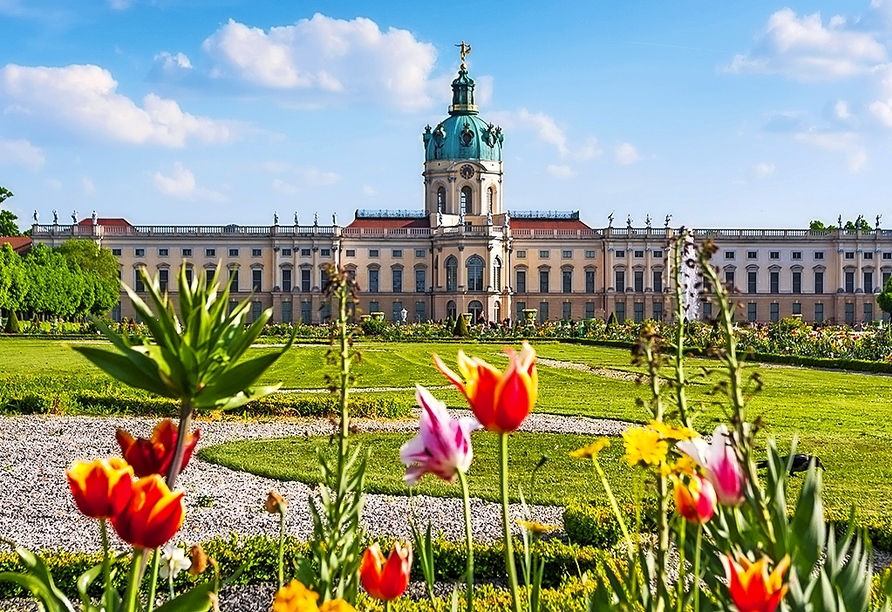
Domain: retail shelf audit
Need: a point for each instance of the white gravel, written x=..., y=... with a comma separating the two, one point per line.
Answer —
x=37, y=510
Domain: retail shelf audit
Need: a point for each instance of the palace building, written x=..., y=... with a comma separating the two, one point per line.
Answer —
x=465, y=252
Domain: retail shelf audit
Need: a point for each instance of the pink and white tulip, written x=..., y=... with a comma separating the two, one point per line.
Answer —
x=443, y=444
x=720, y=465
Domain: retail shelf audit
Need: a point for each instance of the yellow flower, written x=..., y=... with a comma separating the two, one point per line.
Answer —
x=683, y=465
x=336, y=605
x=591, y=450
x=671, y=432
x=295, y=597
x=644, y=447
x=536, y=528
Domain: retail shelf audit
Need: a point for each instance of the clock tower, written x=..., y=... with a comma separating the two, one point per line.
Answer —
x=463, y=162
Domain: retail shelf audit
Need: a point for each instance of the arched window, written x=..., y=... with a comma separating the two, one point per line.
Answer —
x=451, y=273
x=475, y=273
x=450, y=310
x=491, y=196
x=465, y=200
x=441, y=199
x=497, y=275
x=476, y=310
x=497, y=312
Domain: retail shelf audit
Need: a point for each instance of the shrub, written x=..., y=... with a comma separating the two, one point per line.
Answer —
x=461, y=327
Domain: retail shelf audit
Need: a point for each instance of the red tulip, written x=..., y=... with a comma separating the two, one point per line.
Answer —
x=500, y=400
x=153, y=514
x=695, y=500
x=100, y=488
x=752, y=589
x=154, y=456
x=386, y=579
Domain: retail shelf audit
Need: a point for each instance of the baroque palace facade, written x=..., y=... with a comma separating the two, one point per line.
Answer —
x=465, y=252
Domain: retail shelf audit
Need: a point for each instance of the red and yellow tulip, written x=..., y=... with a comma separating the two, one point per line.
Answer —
x=154, y=455
x=386, y=579
x=500, y=400
x=751, y=587
x=153, y=514
x=101, y=488
x=695, y=500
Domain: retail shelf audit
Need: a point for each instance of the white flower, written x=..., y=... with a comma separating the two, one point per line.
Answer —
x=173, y=561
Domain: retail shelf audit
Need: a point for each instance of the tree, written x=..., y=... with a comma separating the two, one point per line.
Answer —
x=100, y=270
x=13, y=280
x=819, y=226
x=8, y=226
x=884, y=299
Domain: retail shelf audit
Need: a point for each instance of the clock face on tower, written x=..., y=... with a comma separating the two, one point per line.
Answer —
x=466, y=171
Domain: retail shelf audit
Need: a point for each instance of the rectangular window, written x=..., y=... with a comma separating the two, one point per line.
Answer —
x=138, y=285
x=751, y=312
x=638, y=312
x=621, y=254
x=324, y=252
x=306, y=252
x=658, y=254
x=774, y=312
x=396, y=312
x=658, y=281
x=850, y=282
x=638, y=254
x=256, y=252
x=868, y=282
x=306, y=313
x=868, y=312
x=210, y=252
x=620, y=281
x=233, y=279
x=543, y=254
x=658, y=311
x=420, y=252
x=543, y=312
x=286, y=280
x=518, y=312
x=729, y=278
x=521, y=285
x=256, y=310
x=868, y=255
x=619, y=308
x=819, y=254
x=797, y=255
x=163, y=252
x=707, y=311
x=350, y=253
x=639, y=280
x=116, y=252
x=397, y=280
x=819, y=283
x=189, y=276
x=887, y=255
x=373, y=253
x=323, y=282
x=373, y=280
x=163, y=278
x=729, y=254
x=589, y=310
x=850, y=255
x=774, y=282
x=287, y=314
x=187, y=252
x=543, y=281
x=566, y=254
x=567, y=281
x=256, y=279
x=420, y=311
x=797, y=308
x=589, y=281
x=850, y=313
x=886, y=276
x=373, y=307
x=797, y=282
x=752, y=254
x=305, y=280
x=566, y=311
x=521, y=254
x=233, y=252
x=139, y=252
x=773, y=254
x=819, y=313
x=751, y=281
x=286, y=252
x=396, y=253
x=420, y=280
x=589, y=254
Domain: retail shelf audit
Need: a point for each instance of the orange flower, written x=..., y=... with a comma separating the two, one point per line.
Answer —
x=153, y=456
x=100, y=488
x=382, y=578
x=500, y=400
x=695, y=500
x=752, y=588
x=153, y=514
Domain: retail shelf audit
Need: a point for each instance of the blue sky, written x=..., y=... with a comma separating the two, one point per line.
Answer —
x=750, y=114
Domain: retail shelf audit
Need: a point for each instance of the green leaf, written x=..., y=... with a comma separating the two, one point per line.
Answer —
x=236, y=380
x=122, y=368
x=199, y=599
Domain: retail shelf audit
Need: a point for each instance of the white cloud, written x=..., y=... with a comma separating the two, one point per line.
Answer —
x=588, y=150
x=328, y=59
x=625, y=153
x=53, y=184
x=89, y=187
x=316, y=177
x=369, y=191
x=763, y=170
x=120, y=5
x=21, y=153
x=844, y=142
x=561, y=172
x=804, y=49
x=83, y=99
x=181, y=184
x=841, y=111
x=546, y=129
x=280, y=186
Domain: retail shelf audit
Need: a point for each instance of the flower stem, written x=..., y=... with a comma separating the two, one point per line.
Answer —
x=133, y=580
x=153, y=581
x=281, y=548
x=106, y=565
x=679, y=583
x=509, y=542
x=176, y=464
x=696, y=586
x=469, y=534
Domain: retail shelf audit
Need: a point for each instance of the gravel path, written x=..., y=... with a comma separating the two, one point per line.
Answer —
x=37, y=510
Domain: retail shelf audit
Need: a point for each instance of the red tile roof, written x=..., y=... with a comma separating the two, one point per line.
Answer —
x=101, y=221
x=20, y=244
x=547, y=224
x=391, y=223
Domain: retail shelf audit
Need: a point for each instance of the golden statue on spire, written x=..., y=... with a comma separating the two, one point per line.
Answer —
x=463, y=51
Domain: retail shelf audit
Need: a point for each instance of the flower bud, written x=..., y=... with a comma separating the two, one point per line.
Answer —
x=275, y=503
x=199, y=560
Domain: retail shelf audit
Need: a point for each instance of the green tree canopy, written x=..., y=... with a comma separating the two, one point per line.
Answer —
x=884, y=298
x=13, y=279
x=8, y=226
x=100, y=271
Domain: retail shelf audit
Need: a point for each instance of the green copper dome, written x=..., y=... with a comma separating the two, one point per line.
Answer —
x=463, y=135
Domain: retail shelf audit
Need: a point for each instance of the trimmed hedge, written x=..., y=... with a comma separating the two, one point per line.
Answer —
x=596, y=525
